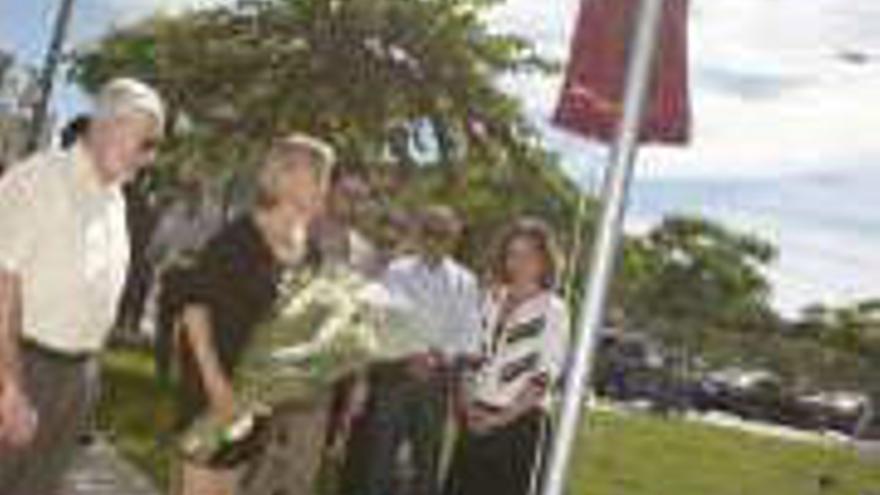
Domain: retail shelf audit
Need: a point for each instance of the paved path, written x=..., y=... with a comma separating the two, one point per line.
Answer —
x=100, y=470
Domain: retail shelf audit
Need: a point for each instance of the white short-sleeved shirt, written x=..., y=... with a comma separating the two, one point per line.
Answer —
x=532, y=342
x=64, y=234
x=441, y=302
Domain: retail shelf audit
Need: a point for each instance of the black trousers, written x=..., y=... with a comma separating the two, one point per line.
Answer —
x=401, y=410
x=503, y=461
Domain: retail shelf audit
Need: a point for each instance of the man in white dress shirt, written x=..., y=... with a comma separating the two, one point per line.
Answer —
x=437, y=294
x=64, y=252
x=439, y=298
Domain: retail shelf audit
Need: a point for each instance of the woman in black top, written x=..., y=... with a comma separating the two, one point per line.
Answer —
x=231, y=289
x=235, y=278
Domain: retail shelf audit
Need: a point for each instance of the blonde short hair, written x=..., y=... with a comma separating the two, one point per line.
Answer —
x=282, y=158
x=124, y=96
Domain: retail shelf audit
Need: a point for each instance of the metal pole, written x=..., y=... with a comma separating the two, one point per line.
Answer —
x=47, y=76
x=607, y=242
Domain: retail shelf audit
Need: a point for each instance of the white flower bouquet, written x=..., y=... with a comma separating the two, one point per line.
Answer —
x=328, y=324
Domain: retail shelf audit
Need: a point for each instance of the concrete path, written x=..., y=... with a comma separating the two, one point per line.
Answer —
x=101, y=470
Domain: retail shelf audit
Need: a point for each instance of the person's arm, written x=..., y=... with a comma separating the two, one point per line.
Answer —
x=18, y=420
x=199, y=333
x=531, y=397
x=554, y=354
x=15, y=208
x=10, y=329
x=467, y=354
x=556, y=343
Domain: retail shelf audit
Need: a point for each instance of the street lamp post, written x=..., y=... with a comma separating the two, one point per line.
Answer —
x=47, y=75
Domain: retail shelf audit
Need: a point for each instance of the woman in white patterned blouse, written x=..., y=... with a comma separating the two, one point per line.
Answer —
x=505, y=407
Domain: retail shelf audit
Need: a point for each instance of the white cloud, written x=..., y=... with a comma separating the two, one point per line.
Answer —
x=825, y=266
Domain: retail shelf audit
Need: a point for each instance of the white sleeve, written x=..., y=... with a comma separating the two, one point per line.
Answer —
x=556, y=340
x=472, y=318
x=16, y=213
x=394, y=281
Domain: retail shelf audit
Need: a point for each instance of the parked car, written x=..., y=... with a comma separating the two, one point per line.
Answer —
x=754, y=394
x=840, y=411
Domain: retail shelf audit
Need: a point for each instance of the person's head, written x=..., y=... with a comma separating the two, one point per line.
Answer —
x=74, y=131
x=526, y=255
x=441, y=230
x=294, y=179
x=396, y=231
x=125, y=129
x=192, y=185
x=350, y=195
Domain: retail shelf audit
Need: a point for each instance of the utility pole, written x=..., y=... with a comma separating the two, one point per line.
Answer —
x=47, y=76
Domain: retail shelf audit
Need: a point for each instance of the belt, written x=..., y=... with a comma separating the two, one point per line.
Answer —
x=73, y=357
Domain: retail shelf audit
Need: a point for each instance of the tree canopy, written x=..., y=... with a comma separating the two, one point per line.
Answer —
x=406, y=80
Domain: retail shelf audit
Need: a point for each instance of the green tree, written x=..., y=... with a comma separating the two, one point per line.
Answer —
x=409, y=80
x=690, y=279
x=405, y=85
x=849, y=339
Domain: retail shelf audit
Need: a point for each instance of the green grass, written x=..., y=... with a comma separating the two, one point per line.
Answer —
x=642, y=455
x=618, y=455
x=136, y=411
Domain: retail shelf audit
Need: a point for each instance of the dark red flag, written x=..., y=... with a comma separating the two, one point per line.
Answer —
x=592, y=96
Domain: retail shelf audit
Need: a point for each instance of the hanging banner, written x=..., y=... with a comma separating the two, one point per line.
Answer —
x=591, y=99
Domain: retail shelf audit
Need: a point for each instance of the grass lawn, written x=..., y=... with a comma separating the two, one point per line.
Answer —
x=136, y=411
x=642, y=455
x=619, y=454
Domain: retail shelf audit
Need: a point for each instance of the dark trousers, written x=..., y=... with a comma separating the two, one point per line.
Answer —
x=502, y=462
x=291, y=459
x=63, y=391
x=402, y=411
x=133, y=303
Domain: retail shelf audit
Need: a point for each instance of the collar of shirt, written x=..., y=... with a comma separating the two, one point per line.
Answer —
x=85, y=172
x=524, y=310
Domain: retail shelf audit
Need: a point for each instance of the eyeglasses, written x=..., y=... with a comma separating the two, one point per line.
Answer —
x=149, y=145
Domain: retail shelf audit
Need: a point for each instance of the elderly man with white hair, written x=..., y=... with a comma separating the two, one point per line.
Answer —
x=64, y=253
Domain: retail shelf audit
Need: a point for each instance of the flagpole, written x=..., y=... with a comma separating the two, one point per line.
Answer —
x=606, y=243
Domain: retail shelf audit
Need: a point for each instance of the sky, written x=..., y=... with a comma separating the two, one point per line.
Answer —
x=785, y=134
x=785, y=96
